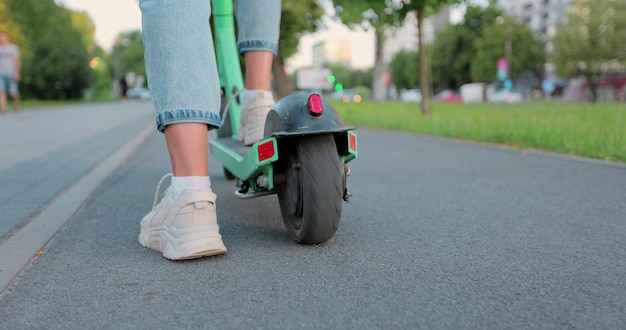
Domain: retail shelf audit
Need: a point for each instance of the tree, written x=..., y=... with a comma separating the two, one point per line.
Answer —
x=297, y=19
x=592, y=41
x=454, y=48
x=373, y=15
x=83, y=22
x=16, y=35
x=128, y=54
x=362, y=78
x=13, y=30
x=527, y=52
x=351, y=78
x=422, y=8
x=403, y=68
x=381, y=15
x=59, y=65
x=343, y=75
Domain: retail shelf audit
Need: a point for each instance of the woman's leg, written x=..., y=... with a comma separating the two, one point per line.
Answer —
x=187, y=147
x=258, y=74
x=259, y=26
x=182, y=75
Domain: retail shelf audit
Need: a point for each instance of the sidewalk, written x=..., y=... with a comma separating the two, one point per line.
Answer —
x=51, y=160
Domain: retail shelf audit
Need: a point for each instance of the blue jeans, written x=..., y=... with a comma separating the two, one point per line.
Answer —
x=8, y=85
x=180, y=61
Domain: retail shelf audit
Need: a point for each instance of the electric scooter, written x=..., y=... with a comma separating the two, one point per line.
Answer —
x=302, y=157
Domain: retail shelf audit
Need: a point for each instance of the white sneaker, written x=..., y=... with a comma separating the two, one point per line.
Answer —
x=253, y=114
x=184, y=228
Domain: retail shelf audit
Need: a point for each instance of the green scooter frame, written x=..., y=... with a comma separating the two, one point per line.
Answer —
x=302, y=157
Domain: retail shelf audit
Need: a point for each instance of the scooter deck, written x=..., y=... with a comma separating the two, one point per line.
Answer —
x=245, y=162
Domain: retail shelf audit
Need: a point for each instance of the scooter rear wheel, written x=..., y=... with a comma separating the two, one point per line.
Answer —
x=311, y=198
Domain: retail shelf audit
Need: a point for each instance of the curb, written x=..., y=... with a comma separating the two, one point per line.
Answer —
x=29, y=242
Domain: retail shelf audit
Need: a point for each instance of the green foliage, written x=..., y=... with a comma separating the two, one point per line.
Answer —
x=374, y=14
x=101, y=85
x=380, y=15
x=527, y=54
x=454, y=47
x=364, y=91
x=84, y=23
x=14, y=31
x=422, y=9
x=589, y=130
x=342, y=74
x=469, y=51
x=428, y=7
x=59, y=65
x=362, y=78
x=128, y=54
x=297, y=19
x=350, y=78
x=450, y=55
x=404, y=70
x=594, y=38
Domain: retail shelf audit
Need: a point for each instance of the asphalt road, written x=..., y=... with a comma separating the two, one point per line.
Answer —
x=438, y=234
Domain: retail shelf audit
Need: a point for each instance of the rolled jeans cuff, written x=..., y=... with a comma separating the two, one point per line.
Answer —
x=169, y=117
x=256, y=45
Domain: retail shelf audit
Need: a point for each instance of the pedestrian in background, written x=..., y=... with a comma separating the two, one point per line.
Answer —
x=10, y=67
x=124, y=88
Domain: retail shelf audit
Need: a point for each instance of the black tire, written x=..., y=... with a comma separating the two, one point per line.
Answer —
x=311, y=198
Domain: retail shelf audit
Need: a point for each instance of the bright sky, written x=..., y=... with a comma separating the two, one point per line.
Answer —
x=114, y=16
x=110, y=17
x=362, y=44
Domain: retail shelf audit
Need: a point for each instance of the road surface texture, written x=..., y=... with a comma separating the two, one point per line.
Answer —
x=439, y=234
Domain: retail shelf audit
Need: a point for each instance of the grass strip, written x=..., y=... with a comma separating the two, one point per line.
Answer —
x=589, y=130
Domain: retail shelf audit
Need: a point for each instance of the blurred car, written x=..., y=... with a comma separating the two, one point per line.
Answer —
x=347, y=96
x=139, y=93
x=411, y=95
x=448, y=95
x=473, y=92
x=505, y=96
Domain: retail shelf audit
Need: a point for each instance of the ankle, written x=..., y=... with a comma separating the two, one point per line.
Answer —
x=180, y=183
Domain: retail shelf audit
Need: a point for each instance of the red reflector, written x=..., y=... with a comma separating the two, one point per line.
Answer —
x=316, y=107
x=352, y=142
x=266, y=150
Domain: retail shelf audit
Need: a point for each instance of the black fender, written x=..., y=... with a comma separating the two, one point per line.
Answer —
x=291, y=117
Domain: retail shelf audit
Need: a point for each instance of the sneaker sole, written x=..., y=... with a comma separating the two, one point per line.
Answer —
x=183, y=244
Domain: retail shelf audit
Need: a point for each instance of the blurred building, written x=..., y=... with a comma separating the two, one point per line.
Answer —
x=545, y=17
x=542, y=16
x=332, y=52
x=405, y=37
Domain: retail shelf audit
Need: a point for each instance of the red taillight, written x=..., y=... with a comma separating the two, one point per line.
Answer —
x=266, y=150
x=352, y=142
x=316, y=107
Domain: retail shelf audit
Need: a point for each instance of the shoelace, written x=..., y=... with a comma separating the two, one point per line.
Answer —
x=158, y=188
